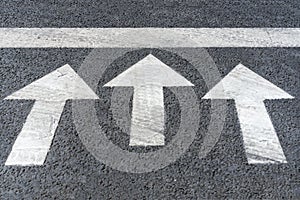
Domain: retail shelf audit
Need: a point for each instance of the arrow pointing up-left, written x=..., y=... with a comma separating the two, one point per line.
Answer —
x=50, y=94
x=249, y=90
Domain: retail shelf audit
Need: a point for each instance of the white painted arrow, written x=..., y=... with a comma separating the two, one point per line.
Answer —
x=148, y=77
x=50, y=94
x=249, y=90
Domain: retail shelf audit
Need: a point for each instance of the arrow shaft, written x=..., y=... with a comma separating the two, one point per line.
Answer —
x=147, y=124
x=34, y=141
x=260, y=139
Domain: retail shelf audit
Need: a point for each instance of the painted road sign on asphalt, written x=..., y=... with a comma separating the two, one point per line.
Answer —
x=147, y=118
x=149, y=102
x=50, y=93
x=148, y=77
x=249, y=90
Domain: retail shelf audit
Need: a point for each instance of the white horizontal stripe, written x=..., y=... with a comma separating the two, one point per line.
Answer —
x=148, y=37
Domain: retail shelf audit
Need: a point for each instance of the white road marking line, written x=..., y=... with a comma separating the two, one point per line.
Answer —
x=34, y=141
x=50, y=93
x=147, y=124
x=148, y=37
x=249, y=90
x=148, y=77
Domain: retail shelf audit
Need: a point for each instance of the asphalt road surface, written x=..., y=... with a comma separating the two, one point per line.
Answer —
x=71, y=171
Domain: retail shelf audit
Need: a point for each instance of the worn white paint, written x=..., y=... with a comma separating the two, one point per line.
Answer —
x=148, y=77
x=147, y=123
x=148, y=37
x=50, y=93
x=34, y=141
x=249, y=90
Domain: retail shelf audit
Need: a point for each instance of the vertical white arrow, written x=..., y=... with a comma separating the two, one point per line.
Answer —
x=148, y=77
x=50, y=94
x=249, y=90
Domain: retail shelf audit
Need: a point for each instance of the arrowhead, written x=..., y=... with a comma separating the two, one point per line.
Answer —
x=149, y=71
x=59, y=85
x=243, y=84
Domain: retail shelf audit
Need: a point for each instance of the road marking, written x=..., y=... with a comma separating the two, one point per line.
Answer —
x=148, y=37
x=33, y=143
x=249, y=90
x=50, y=94
x=93, y=134
x=148, y=77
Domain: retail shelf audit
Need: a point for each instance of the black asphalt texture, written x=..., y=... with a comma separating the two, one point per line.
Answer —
x=71, y=172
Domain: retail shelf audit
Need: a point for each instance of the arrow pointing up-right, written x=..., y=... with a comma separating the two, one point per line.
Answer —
x=249, y=90
x=50, y=94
